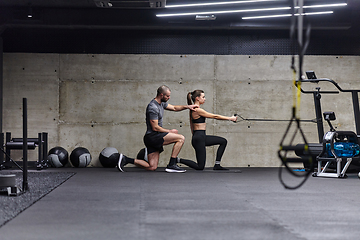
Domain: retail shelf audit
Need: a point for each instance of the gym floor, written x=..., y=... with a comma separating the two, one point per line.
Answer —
x=243, y=203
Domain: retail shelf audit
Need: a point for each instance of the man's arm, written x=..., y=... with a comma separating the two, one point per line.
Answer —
x=178, y=108
x=155, y=127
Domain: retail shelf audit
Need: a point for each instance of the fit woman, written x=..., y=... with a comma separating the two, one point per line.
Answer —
x=200, y=140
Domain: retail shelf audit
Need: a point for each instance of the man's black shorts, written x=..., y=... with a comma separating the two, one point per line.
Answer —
x=154, y=141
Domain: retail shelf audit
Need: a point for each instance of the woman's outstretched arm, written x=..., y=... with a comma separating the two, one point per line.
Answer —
x=206, y=114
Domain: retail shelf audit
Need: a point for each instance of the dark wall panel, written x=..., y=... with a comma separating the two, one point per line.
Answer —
x=219, y=42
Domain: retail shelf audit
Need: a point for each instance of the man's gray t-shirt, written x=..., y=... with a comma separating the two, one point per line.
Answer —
x=154, y=111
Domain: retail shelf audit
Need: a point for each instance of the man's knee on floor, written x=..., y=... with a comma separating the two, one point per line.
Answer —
x=152, y=168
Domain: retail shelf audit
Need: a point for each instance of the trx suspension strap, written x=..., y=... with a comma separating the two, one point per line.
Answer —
x=287, y=142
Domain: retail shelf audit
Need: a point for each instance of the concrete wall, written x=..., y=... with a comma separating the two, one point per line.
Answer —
x=98, y=101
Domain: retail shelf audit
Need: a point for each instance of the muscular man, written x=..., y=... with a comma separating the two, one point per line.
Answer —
x=156, y=136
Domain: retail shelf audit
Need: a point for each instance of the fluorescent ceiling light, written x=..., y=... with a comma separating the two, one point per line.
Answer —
x=219, y=12
x=287, y=15
x=325, y=5
x=248, y=10
x=216, y=3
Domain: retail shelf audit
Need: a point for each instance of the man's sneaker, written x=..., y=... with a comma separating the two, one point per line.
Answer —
x=174, y=168
x=121, y=163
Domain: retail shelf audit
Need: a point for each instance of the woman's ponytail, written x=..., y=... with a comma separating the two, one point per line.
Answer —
x=189, y=98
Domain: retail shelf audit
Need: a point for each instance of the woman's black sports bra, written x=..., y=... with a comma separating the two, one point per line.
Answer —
x=201, y=119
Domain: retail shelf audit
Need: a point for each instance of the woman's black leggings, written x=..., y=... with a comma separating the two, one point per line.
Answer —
x=199, y=141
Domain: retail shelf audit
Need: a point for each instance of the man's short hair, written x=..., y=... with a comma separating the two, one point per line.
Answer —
x=162, y=89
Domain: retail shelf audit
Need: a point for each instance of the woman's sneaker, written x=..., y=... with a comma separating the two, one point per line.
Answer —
x=218, y=167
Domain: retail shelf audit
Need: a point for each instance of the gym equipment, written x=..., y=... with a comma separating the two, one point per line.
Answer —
x=142, y=154
x=17, y=144
x=58, y=157
x=339, y=147
x=8, y=182
x=109, y=157
x=285, y=149
x=80, y=157
x=15, y=191
x=335, y=156
x=286, y=143
x=317, y=96
x=267, y=119
x=331, y=137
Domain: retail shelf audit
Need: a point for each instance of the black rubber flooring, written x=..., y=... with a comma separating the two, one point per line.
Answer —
x=39, y=184
x=99, y=203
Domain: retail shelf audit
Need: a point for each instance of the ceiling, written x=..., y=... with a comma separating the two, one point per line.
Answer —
x=137, y=14
x=131, y=26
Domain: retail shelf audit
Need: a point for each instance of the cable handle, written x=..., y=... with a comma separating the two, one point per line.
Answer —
x=237, y=118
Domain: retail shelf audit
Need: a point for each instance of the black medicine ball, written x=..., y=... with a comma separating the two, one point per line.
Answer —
x=142, y=154
x=80, y=157
x=109, y=157
x=58, y=157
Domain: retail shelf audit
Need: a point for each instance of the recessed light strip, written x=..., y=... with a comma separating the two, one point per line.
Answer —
x=220, y=12
x=216, y=3
x=248, y=10
x=287, y=15
x=324, y=5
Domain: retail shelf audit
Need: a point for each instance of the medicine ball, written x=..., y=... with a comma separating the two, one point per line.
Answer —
x=109, y=157
x=58, y=157
x=142, y=154
x=80, y=157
